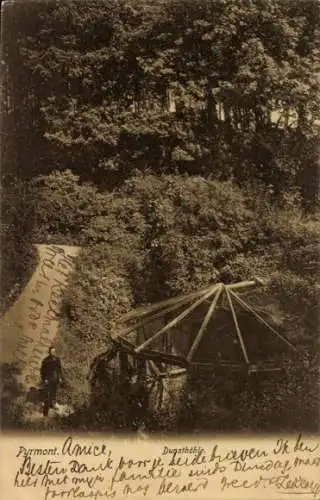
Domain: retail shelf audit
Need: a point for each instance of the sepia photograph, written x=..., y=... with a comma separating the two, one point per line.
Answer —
x=160, y=217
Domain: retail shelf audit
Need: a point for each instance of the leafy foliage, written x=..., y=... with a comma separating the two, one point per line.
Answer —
x=18, y=258
x=206, y=87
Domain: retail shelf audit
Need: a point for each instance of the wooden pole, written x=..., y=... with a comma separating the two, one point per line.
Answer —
x=177, y=319
x=236, y=324
x=154, y=367
x=176, y=372
x=242, y=284
x=204, y=323
x=259, y=318
x=153, y=383
x=164, y=303
x=161, y=313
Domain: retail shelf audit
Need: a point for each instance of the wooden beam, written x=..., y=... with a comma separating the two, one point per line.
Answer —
x=160, y=314
x=177, y=319
x=259, y=318
x=257, y=369
x=164, y=303
x=153, y=383
x=155, y=356
x=236, y=324
x=204, y=323
x=176, y=372
x=154, y=368
x=213, y=364
x=242, y=284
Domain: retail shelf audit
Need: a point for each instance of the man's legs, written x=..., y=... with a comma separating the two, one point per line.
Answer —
x=50, y=397
x=53, y=394
x=46, y=401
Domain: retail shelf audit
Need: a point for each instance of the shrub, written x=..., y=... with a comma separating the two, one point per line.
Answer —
x=18, y=255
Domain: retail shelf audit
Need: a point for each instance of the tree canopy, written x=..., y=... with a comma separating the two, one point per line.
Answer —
x=211, y=87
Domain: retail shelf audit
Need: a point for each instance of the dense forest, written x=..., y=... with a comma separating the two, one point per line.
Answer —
x=175, y=141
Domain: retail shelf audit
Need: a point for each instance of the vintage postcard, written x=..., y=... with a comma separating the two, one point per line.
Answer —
x=159, y=249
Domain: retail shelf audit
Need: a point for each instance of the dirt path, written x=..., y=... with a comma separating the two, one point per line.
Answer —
x=31, y=324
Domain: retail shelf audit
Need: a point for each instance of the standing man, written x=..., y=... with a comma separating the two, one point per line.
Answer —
x=51, y=373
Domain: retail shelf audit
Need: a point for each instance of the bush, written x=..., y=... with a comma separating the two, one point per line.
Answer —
x=18, y=255
x=12, y=397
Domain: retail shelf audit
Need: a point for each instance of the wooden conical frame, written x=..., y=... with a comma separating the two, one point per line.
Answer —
x=214, y=294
